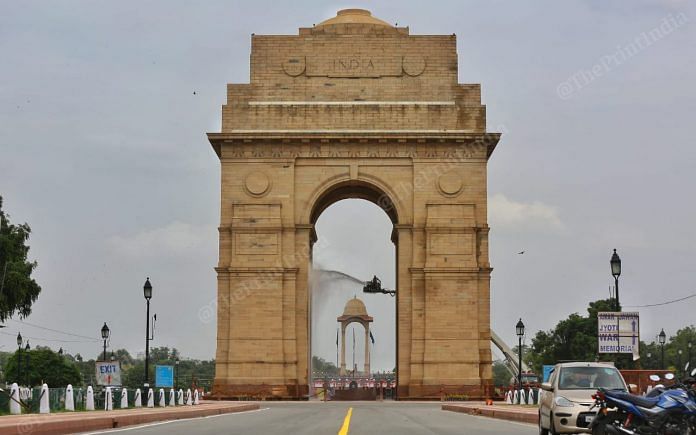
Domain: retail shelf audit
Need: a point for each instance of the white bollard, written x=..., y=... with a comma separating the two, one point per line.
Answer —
x=538, y=396
x=108, y=400
x=124, y=399
x=137, y=400
x=90, y=399
x=195, y=397
x=172, y=402
x=15, y=407
x=69, y=398
x=150, y=398
x=180, y=397
x=162, y=403
x=516, y=397
x=189, y=402
x=523, y=398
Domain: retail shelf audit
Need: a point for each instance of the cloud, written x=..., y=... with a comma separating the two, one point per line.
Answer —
x=505, y=213
x=175, y=239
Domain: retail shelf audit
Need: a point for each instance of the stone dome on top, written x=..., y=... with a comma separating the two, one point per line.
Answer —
x=354, y=16
x=355, y=307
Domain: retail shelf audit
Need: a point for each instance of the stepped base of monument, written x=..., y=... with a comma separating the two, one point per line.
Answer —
x=355, y=394
x=225, y=391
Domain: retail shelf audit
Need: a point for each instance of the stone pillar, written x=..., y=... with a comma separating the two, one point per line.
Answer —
x=343, y=372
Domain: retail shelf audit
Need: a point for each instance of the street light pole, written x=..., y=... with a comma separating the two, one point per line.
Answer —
x=520, y=333
x=27, y=348
x=679, y=364
x=176, y=363
x=689, y=347
x=147, y=292
x=19, y=358
x=616, y=272
x=662, y=338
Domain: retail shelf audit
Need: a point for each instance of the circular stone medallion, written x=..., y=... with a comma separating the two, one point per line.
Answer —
x=413, y=65
x=257, y=183
x=450, y=183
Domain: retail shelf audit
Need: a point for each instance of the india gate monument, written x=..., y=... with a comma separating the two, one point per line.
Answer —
x=353, y=107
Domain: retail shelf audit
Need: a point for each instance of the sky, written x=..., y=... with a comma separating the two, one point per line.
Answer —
x=103, y=152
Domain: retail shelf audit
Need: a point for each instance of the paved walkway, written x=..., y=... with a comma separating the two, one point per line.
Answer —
x=524, y=414
x=72, y=422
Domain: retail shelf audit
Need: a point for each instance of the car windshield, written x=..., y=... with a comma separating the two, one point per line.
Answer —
x=590, y=378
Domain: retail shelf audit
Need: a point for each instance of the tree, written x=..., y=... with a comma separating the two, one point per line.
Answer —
x=673, y=360
x=45, y=366
x=320, y=365
x=18, y=290
x=501, y=374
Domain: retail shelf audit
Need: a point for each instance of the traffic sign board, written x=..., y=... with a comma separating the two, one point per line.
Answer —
x=619, y=332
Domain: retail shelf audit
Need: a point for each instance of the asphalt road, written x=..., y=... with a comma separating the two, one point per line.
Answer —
x=290, y=418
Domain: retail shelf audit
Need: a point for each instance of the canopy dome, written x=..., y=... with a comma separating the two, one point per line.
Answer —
x=354, y=16
x=354, y=308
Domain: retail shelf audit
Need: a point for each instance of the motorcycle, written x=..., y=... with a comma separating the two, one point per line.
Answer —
x=664, y=411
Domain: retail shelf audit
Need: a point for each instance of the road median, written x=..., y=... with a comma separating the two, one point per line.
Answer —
x=522, y=414
x=74, y=422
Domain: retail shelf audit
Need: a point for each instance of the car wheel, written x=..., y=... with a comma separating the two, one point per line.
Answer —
x=542, y=431
x=552, y=427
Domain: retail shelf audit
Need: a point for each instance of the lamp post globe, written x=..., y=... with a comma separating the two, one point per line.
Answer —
x=615, y=263
x=519, y=329
x=19, y=339
x=147, y=289
x=105, y=336
x=662, y=338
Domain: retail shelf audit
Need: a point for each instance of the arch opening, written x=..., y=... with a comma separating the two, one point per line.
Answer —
x=354, y=243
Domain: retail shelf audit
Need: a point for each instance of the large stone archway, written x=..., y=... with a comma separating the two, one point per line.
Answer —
x=353, y=108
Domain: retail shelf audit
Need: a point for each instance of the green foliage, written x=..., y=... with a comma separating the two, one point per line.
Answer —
x=501, y=374
x=19, y=290
x=44, y=366
x=574, y=339
x=188, y=372
x=673, y=360
x=320, y=365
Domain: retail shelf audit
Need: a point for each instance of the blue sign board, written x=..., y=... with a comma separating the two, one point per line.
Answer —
x=164, y=376
x=547, y=373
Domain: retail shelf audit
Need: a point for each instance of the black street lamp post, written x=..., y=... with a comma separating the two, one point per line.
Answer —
x=27, y=348
x=679, y=360
x=649, y=361
x=19, y=358
x=689, y=347
x=520, y=333
x=176, y=363
x=616, y=272
x=147, y=292
x=105, y=336
x=662, y=338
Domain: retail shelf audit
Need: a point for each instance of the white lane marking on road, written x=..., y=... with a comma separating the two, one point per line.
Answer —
x=159, y=423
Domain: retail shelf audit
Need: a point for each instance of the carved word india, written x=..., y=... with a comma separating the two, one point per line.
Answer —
x=353, y=64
